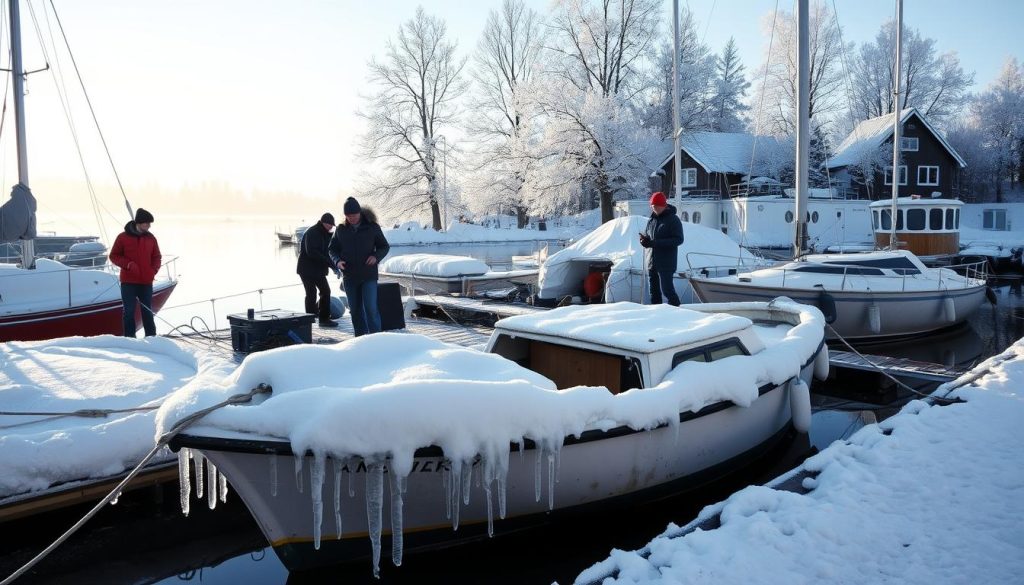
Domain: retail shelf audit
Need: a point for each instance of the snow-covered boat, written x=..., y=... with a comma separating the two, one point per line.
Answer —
x=567, y=410
x=613, y=251
x=449, y=274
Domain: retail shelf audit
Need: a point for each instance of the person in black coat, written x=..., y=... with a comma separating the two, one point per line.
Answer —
x=663, y=235
x=356, y=248
x=314, y=262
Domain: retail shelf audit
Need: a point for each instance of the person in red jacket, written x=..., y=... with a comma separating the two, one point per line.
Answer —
x=137, y=253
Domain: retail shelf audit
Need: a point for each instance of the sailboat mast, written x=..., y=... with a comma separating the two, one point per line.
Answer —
x=802, y=127
x=896, y=125
x=18, y=76
x=676, y=130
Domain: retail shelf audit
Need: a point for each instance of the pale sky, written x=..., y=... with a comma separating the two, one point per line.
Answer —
x=261, y=94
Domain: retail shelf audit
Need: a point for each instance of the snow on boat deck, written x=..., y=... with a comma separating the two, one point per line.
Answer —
x=931, y=495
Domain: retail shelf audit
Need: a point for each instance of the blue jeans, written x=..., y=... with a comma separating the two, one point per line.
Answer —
x=362, y=302
x=662, y=282
x=131, y=294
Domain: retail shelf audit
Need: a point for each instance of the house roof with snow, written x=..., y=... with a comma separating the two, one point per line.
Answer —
x=870, y=134
x=721, y=152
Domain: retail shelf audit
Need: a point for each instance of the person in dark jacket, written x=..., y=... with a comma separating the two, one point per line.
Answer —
x=137, y=253
x=356, y=248
x=314, y=262
x=663, y=235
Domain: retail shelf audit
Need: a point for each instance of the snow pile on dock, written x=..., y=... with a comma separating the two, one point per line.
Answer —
x=931, y=495
x=437, y=265
x=79, y=374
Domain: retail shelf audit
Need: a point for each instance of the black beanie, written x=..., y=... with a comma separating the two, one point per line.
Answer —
x=143, y=216
x=352, y=206
x=327, y=218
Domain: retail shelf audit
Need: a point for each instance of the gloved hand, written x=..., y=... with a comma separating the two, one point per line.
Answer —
x=645, y=241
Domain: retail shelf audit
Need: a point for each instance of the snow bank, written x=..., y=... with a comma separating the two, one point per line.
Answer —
x=931, y=495
x=76, y=373
x=439, y=265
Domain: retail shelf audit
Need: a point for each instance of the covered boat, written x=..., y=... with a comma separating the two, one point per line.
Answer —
x=613, y=403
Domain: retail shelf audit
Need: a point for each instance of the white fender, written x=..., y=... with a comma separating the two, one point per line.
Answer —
x=821, y=364
x=875, y=318
x=800, y=405
x=949, y=308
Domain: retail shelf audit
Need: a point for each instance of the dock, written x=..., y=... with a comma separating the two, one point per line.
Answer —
x=898, y=367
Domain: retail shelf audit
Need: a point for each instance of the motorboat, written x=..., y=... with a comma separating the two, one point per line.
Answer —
x=566, y=410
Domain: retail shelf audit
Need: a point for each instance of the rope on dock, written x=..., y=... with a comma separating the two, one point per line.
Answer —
x=177, y=428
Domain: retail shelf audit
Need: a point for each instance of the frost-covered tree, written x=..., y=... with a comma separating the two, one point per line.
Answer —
x=934, y=83
x=603, y=44
x=415, y=87
x=999, y=115
x=981, y=176
x=588, y=146
x=505, y=61
x=730, y=88
x=775, y=101
x=696, y=83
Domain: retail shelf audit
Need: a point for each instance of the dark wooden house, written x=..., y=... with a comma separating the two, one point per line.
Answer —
x=714, y=162
x=929, y=166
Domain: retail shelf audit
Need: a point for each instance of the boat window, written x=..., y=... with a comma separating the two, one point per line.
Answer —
x=685, y=216
x=957, y=220
x=696, y=217
x=899, y=264
x=899, y=219
x=874, y=220
x=886, y=219
x=949, y=219
x=709, y=353
x=915, y=219
x=840, y=269
x=789, y=217
x=935, y=219
x=814, y=217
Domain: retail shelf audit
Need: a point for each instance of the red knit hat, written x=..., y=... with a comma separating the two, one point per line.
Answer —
x=658, y=199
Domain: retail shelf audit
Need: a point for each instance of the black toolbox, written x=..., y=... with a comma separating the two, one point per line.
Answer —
x=261, y=330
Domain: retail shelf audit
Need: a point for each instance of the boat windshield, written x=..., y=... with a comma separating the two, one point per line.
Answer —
x=898, y=264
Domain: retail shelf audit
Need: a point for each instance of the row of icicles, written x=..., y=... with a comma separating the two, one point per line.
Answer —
x=457, y=478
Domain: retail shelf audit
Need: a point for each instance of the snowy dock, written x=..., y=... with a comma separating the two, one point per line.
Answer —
x=864, y=509
x=898, y=367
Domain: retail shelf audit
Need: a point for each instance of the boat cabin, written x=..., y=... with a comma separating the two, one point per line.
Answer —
x=926, y=227
x=619, y=346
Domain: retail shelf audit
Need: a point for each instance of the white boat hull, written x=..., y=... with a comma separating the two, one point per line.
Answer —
x=862, y=314
x=599, y=468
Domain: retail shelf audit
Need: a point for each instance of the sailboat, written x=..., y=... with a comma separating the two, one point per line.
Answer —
x=42, y=298
x=886, y=293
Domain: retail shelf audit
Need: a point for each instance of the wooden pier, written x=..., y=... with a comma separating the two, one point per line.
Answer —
x=894, y=366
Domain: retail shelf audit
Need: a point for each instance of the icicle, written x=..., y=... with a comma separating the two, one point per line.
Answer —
x=467, y=478
x=298, y=472
x=455, y=491
x=374, y=509
x=273, y=475
x=200, y=472
x=551, y=481
x=351, y=478
x=316, y=486
x=502, y=493
x=446, y=482
x=211, y=489
x=338, y=465
x=537, y=469
x=184, y=480
x=490, y=506
x=396, y=518
x=222, y=488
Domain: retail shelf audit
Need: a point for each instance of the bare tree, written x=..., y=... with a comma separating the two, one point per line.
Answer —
x=999, y=114
x=935, y=84
x=505, y=62
x=775, y=104
x=605, y=42
x=416, y=83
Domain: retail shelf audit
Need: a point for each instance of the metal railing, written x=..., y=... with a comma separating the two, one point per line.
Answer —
x=168, y=267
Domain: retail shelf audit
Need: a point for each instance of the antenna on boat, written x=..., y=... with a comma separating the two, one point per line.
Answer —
x=676, y=130
x=802, y=128
x=28, y=247
x=897, y=114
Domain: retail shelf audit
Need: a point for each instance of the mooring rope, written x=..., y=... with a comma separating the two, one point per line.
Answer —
x=164, y=439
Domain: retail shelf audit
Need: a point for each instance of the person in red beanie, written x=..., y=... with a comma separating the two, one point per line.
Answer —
x=663, y=236
x=137, y=253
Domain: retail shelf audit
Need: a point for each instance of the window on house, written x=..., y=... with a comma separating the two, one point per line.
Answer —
x=903, y=175
x=993, y=219
x=928, y=175
x=689, y=178
x=908, y=143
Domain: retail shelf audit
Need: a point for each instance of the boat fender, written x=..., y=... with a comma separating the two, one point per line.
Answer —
x=827, y=304
x=821, y=364
x=949, y=309
x=337, y=308
x=875, y=318
x=800, y=405
x=990, y=294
